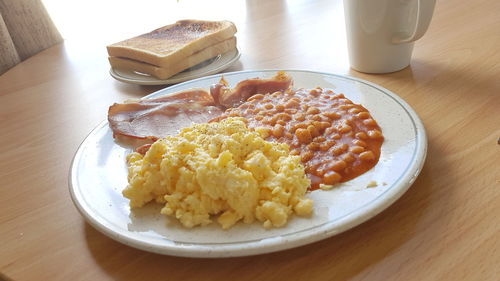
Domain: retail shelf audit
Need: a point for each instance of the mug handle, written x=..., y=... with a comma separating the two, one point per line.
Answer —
x=425, y=9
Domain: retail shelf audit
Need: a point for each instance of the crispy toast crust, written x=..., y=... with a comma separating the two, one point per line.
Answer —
x=170, y=44
x=166, y=72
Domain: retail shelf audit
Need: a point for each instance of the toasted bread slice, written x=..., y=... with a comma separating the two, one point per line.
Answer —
x=170, y=44
x=166, y=72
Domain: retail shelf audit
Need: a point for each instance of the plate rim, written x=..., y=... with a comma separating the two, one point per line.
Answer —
x=272, y=244
x=235, y=55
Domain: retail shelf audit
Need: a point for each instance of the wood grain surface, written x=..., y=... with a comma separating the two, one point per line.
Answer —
x=445, y=227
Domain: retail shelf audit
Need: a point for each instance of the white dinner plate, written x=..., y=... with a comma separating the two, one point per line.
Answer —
x=208, y=67
x=98, y=175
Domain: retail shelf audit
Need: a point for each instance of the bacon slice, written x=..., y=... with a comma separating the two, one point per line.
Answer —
x=229, y=98
x=152, y=119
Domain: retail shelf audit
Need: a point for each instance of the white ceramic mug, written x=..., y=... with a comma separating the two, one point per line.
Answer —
x=380, y=33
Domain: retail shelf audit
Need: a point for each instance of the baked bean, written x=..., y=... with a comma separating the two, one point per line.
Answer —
x=363, y=115
x=330, y=143
x=367, y=156
x=326, y=145
x=291, y=111
x=357, y=149
x=346, y=106
x=331, y=130
x=359, y=143
x=306, y=156
x=361, y=135
x=278, y=131
x=338, y=165
x=312, y=110
x=349, y=158
x=303, y=135
x=294, y=152
x=345, y=129
x=319, y=139
x=354, y=110
x=259, y=117
x=331, y=177
x=316, y=118
x=336, y=136
x=280, y=108
x=300, y=117
x=331, y=115
x=268, y=106
x=313, y=146
x=339, y=149
x=323, y=125
x=369, y=122
x=300, y=126
x=284, y=116
x=313, y=130
x=274, y=119
x=314, y=92
x=288, y=136
x=281, y=122
x=374, y=134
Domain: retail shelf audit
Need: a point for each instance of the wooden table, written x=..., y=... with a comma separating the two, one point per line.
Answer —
x=445, y=227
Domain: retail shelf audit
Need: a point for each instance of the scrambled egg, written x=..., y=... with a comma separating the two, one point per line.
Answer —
x=221, y=170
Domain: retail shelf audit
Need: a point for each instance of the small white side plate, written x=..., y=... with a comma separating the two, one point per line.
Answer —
x=98, y=175
x=211, y=66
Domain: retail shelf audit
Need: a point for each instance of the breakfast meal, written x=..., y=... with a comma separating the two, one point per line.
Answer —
x=171, y=49
x=252, y=153
x=219, y=168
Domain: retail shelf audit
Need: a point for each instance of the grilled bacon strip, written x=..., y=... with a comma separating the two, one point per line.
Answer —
x=159, y=117
x=151, y=119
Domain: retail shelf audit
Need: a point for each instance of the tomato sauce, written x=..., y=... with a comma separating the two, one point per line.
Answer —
x=336, y=139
